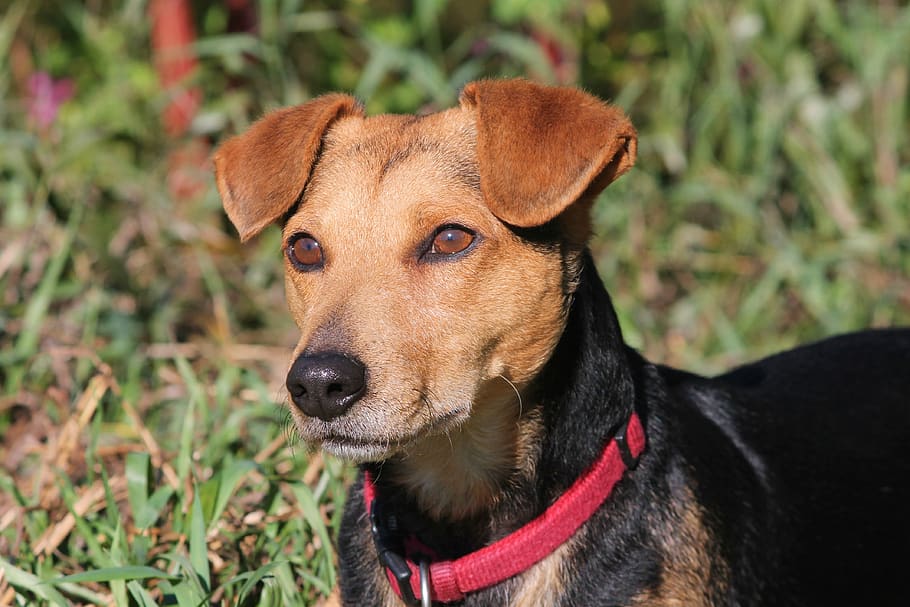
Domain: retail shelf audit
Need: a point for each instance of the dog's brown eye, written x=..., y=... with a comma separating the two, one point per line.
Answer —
x=452, y=240
x=305, y=252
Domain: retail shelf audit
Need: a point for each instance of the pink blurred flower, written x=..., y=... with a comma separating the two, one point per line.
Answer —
x=45, y=96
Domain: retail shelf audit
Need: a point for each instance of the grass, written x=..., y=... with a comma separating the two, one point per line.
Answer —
x=145, y=457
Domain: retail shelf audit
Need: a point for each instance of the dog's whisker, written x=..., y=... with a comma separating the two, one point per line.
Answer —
x=428, y=403
x=517, y=393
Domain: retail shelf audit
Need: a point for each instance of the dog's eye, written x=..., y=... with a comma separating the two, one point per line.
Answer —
x=451, y=240
x=304, y=252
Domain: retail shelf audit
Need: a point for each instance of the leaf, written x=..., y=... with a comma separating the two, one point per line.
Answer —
x=427, y=13
x=142, y=597
x=31, y=583
x=310, y=510
x=153, y=507
x=523, y=49
x=186, y=593
x=138, y=466
x=196, y=401
x=228, y=481
x=108, y=574
x=36, y=311
x=198, y=549
x=251, y=578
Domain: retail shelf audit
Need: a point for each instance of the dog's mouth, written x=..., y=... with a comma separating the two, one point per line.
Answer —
x=379, y=443
x=357, y=451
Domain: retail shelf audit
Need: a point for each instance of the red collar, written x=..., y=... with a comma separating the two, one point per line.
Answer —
x=449, y=581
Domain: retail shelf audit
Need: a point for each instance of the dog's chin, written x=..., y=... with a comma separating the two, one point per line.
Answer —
x=357, y=448
x=357, y=452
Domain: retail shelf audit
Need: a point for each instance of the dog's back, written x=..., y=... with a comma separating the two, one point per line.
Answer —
x=825, y=429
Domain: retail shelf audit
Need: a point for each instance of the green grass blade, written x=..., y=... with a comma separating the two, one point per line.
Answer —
x=185, y=456
x=39, y=303
x=154, y=507
x=31, y=583
x=190, y=585
x=228, y=481
x=251, y=578
x=109, y=574
x=138, y=468
x=198, y=547
x=310, y=509
x=186, y=593
x=526, y=51
x=140, y=595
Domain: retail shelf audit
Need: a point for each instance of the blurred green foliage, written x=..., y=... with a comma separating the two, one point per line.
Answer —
x=770, y=205
x=771, y=191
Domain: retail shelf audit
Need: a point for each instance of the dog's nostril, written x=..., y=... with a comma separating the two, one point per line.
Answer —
x=326, y=385
x=296, y=389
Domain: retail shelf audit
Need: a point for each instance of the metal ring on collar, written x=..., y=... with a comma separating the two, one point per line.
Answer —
x=425, y=599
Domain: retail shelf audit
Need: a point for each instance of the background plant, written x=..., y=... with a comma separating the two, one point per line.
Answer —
x=144, y=458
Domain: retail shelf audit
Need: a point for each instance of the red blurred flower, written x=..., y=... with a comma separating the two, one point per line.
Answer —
x=45, y=96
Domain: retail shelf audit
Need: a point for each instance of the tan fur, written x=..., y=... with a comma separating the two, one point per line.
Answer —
x=687, y=574
x=333, y=600
x=543, y=582
x=457, y=474
x=387, y=597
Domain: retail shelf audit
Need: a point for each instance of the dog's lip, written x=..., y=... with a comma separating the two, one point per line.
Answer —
x=351, y=441
x=358, y=451
x=387, y=442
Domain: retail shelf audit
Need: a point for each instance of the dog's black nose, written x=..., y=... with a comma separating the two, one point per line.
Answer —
x=325, y=385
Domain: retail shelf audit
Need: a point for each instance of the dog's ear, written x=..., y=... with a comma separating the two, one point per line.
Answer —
x=541, y=148
x=261, y=173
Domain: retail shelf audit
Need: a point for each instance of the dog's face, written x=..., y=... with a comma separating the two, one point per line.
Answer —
x=426, y=291
x=417, y=280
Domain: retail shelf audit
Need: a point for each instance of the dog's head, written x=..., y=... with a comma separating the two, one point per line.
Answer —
x=430, y=261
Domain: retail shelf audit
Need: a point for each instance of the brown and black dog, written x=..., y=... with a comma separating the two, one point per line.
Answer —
x=457, y=343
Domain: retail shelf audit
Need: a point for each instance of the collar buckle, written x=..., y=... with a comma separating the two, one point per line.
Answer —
x=625, y=452
x=396, y=565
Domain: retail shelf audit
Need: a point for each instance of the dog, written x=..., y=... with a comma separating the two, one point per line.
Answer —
x=458, y=345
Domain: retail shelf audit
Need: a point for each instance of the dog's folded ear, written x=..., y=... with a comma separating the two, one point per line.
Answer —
x=541, y=148
x=261, y=173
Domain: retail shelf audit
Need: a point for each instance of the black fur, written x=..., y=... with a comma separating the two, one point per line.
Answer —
x=798, y=465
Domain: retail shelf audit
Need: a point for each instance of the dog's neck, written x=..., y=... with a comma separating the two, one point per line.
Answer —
x=459, y=475
x=586, y=390
x=499, y=471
